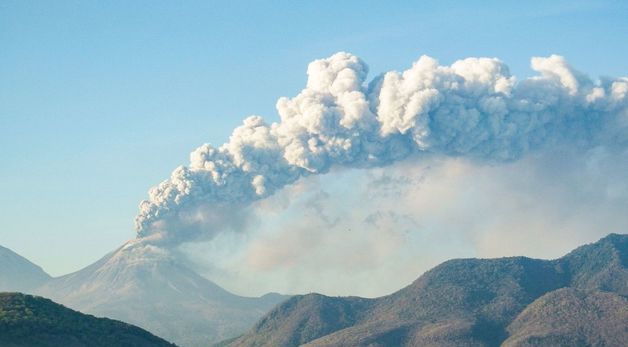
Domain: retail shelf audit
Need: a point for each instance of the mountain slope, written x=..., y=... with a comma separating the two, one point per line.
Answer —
x=466, y=302
x=18, y=274
x=306, y=317
x=35, y=321
x=146, y=286
x=571, y=318
x=601, y=265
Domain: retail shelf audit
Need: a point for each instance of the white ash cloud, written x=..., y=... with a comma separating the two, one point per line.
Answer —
x=473, y=108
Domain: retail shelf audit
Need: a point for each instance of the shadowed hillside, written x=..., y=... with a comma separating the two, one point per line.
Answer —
x=27, y=321
x=514, y=301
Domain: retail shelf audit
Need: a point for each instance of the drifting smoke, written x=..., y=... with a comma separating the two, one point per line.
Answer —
x=473, y=108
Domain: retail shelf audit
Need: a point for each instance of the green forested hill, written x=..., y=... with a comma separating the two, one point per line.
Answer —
x=28, y=321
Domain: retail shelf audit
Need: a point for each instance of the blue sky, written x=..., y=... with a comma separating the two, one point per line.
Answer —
x=99, y=101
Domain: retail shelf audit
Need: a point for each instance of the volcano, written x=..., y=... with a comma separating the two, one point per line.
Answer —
x=147, y=286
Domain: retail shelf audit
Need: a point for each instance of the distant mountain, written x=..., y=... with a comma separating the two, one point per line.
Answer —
x=27, y=321
x=577, y=300
x=146, y=286
x=17, y=274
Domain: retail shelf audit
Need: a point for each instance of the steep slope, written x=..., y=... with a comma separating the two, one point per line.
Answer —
x=467, y=302
x=571, y=318
x=146, y=286
x=27, y=321
x=18, y=274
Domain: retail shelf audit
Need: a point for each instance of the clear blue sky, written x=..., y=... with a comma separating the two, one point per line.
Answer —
x=100, y=100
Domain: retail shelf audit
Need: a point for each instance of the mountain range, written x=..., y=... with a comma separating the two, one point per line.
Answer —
x=577, y=300
x=148, y=287
x=580, y=299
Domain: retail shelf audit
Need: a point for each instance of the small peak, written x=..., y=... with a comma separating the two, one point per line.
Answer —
x=616, y=239
x=136, y=251
x=613, y=240
x=611, y=245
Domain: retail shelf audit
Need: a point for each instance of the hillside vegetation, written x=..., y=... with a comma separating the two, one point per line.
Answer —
x=27, y=321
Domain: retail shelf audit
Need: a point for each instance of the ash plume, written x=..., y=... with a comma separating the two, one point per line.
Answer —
x=473, y=108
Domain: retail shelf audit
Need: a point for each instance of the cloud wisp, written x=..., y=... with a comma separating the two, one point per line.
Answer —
x=472, y=109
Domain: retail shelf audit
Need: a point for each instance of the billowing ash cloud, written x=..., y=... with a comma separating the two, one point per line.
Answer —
x=473, y=108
